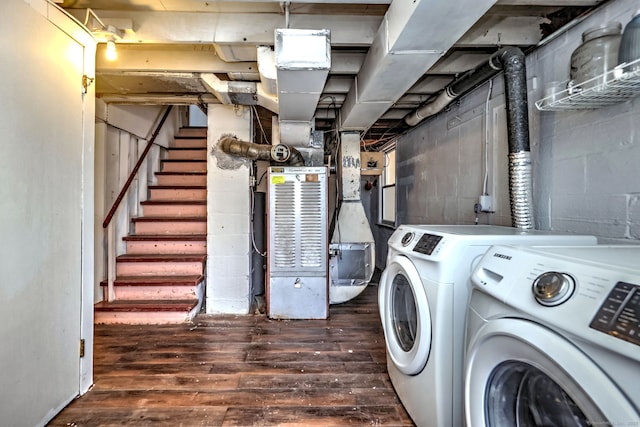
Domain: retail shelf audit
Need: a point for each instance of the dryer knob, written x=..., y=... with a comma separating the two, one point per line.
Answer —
x=407, y=238
x=553, y=288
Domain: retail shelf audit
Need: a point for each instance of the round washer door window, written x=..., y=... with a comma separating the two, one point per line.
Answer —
x=406, y=317
x=519, y=394
x=519, y=373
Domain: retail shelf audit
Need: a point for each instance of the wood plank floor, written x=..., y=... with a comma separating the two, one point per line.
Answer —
x=243, y=371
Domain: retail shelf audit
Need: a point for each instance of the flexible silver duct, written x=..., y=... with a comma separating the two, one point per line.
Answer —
x=520, y=185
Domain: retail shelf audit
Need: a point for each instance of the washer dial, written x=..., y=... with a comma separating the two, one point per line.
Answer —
x=553, y=288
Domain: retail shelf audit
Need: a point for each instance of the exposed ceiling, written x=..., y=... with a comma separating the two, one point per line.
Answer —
x=376, y=77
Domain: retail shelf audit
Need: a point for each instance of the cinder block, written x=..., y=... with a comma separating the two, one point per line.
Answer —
x=613, y=172
x=224, y=224
x=228, y=245
x=230, y=266
x=568, y=177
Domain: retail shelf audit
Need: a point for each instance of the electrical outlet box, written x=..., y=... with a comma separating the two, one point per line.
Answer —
x=486, y=203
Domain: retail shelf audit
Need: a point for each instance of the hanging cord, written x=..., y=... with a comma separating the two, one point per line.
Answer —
x=284, y=5
x=337, y=203
x=255, y=111
x=253, y=207
x=90, y=12
x=485, y=185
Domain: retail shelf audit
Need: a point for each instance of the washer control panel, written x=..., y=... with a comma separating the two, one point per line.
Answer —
x=619, y=315
x=427, y=244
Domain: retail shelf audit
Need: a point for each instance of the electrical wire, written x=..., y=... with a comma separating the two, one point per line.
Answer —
x=486, y=141
x=252, y=229
x=90, y=12
x=261, y=178
x=255, y=111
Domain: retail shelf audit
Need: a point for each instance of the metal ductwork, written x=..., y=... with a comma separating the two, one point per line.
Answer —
x=239, y=93
x=413, y=36
x=511, y=60
x=281, y=153
x=352, y=247
x=302, y=61
x=292, y=78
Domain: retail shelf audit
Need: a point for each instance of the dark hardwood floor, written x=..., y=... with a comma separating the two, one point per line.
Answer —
x=243, y=371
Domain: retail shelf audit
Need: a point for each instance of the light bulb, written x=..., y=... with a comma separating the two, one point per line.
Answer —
x=111, y=54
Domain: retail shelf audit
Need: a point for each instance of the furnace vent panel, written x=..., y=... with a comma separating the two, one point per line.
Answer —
x=297, y=236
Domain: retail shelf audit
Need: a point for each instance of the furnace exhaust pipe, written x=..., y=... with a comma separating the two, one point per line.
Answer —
x=278, y=153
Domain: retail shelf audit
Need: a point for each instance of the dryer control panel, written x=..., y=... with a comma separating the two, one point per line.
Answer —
x=427, y=243
x=619, y=315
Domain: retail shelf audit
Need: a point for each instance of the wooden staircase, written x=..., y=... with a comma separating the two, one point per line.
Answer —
x=160, y=278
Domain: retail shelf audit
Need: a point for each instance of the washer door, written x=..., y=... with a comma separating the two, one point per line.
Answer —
x=405, y=315
x=519, y=373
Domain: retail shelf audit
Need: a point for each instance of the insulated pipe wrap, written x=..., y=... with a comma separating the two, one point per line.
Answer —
x=475, y=77
x=520, y=180
x=249, y=150
x=515, y=79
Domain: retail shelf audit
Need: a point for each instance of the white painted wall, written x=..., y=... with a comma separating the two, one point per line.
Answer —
x=228, y=194
x=46, y=219
x=585, y=163
x=197, y=117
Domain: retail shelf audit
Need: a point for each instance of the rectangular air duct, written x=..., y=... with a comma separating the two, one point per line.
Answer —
x=303, y=60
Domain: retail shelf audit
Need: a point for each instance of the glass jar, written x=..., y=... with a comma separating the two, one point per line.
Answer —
x=630, y=43
x=597, y=54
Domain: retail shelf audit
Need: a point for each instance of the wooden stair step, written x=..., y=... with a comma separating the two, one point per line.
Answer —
x=192, y=132
x=165, y=237
x=178, y=192
x=168, y=287
x=187, y=148
x=160, y=264
x=166, y=243
x=183, y=173
x=181, y=178
x=170, y=219
x=199, y=161
x=175, y=208
x=173, y=202
x=187, y=153
x=194, y=142
x=184, y=225
x=146, y=312
x=191, y=280
x=162, y=258
x=177, y=187
x=146, y=305
x=170, y=165
x=193, y=136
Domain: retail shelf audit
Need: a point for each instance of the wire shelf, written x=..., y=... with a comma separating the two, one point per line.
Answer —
x=613, y=87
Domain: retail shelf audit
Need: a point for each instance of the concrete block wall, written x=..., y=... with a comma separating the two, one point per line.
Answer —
x=229, y=213
x=441, y=163
x=585, y=163
x=587, y=175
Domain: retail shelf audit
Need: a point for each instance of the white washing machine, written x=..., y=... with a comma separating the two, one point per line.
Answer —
x=552, y=337
x=423, y=297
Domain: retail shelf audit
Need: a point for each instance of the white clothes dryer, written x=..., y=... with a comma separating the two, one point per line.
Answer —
x=552, y=337
x=423, y=295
